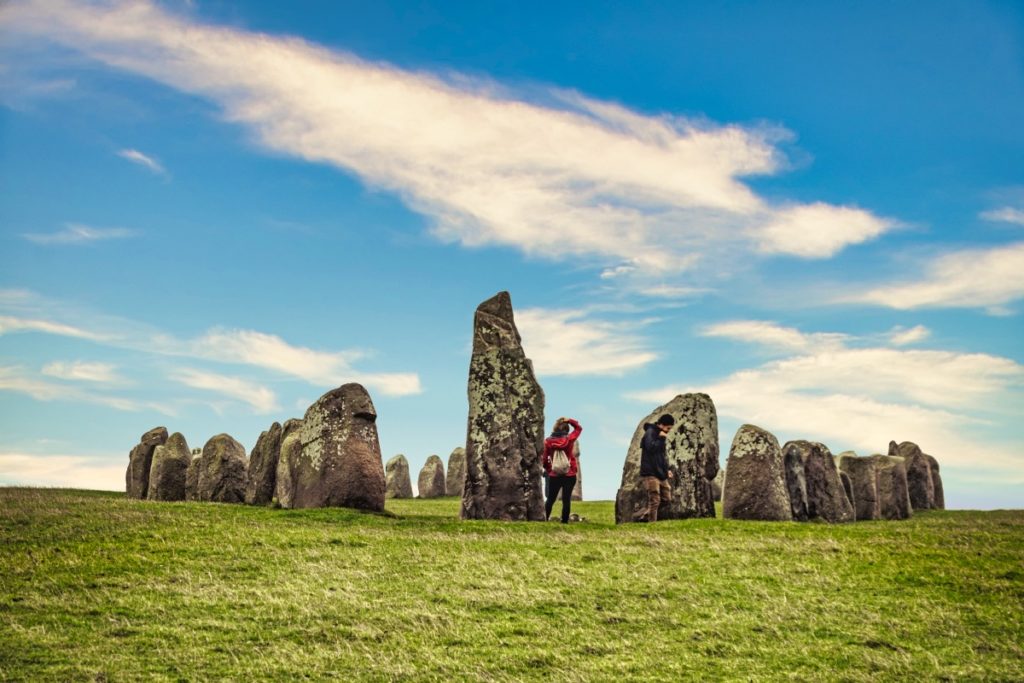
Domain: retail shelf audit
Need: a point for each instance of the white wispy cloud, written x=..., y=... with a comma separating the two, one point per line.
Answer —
x=76, y=233
x=102, y=373
x=552, y=173
x=1006, y=214
x=902, y=337
x=773, y=335
x=971, y=278
x=9, y=324
x=860, y=398
x=64, y=471
x=570, y=342
x=137, y=157
x=22, y=380
x=260, y=398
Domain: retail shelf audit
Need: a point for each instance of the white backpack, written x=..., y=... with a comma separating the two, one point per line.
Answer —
x=559, y=462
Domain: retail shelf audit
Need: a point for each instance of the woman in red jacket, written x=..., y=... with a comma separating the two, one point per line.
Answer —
x=560, y=464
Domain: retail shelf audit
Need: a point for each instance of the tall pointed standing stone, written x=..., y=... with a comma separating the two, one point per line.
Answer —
x=505, y=428
x=692, y=452
x=456, y=477
x=140, y=460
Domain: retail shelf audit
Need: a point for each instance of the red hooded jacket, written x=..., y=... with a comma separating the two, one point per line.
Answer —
x=565, y=443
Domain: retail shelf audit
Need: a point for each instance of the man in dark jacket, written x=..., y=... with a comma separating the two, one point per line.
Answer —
x=654, y=471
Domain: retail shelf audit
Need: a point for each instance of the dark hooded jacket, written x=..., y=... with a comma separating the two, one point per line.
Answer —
x=653, y=462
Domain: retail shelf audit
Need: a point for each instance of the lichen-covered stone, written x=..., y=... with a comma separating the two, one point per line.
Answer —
x=796, y=482
x=826, y=497
x=287, y=463
x=397, y=481
x=863, y=475
x=577, y=489
x=505, y=426
x=756, y=485
x=262, y=473
x=340, y=463
x=455, y=480
x=140, y=461
x=919, y=474
x=431, y=482
x=893, y=494
x=691, y=449
x=169, y=469
x=222, y=471
x=940, y=496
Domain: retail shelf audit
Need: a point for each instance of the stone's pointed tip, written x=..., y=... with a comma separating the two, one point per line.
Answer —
x=500, y=305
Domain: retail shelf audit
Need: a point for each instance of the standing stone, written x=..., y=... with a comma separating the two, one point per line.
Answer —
x=691, y=449
x=796, y=481
x=826, y=497
x=863, y=475
x=919, y=474
x=940, y=496
x=287, y=463
x=577, y=489
x=340, y=463
x=756, y=485
x=717, y=484
x=222, y=471
x=893, y=493
x=262, y=473
x=169, y=468
x=431, y=482
x=192, y=475
x=505, y=426
x=848, y=490
x=456, y=478
x=140, y=461
x=397, y=481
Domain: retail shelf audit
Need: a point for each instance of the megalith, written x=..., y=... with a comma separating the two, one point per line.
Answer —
x=397, y=483
x=691, y=448
x=221, y=477
x=826, y=497
x=920, y=485
x=505, y=426
x=893, y=494
x=340, y=463
x=756, y=485
x=796, y=482
x=848, y=490
x=940, y=496
x=140, y=461
x=287, y=459
x=577, y=489
x=431, y=482
x=863, y=475
x=262, y=473
x=192, y=475
x=169, y=469
x=456, y=477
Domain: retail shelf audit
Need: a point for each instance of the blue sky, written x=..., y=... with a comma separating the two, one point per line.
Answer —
x=211, y=213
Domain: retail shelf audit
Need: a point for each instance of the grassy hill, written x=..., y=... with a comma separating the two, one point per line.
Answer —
x=97, y=587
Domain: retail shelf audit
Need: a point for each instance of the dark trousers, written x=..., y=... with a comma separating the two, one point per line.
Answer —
x=565, y=485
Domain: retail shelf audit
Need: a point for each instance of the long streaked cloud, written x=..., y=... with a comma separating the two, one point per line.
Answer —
x=860, y=398
x=84, y=371
x=971, y=278
x=10, y=323
x=549, y=172
x=22, y=380
x=144, y=160
x=570, y=342
x=1005, y=214
x=76, y=233
x=262, y=399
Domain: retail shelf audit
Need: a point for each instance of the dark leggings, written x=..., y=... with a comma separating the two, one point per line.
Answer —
x=565, y=485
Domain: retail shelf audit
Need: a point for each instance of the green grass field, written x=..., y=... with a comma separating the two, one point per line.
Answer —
x=97, y=587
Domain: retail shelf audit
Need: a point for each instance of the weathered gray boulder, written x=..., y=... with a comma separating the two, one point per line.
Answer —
x=456, y=477
x=756, y=485
x=505, y=426
x=192, y=475
x=717, y=484
x=692, y=452
x=262, y=472
x=893, y=494
x=577, y=489
x=221, y=477
x=396, y=475
x=168, y=471
x=919, y=474
x=826, y=497
x=863, y=475
x=340, y=462
x=796, y=483
x=940, y=496
x=431, y=482
x=287, y=463
x=140, y=461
